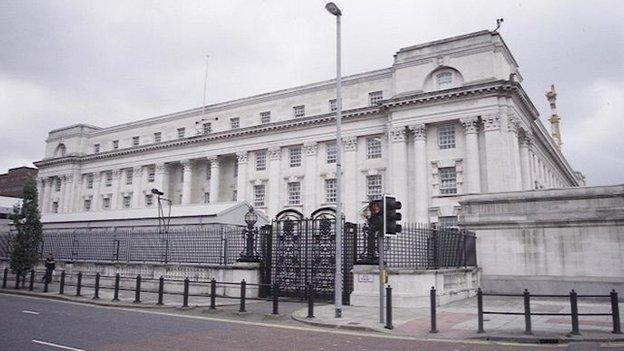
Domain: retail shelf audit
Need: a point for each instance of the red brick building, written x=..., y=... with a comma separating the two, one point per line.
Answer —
x=12, y=183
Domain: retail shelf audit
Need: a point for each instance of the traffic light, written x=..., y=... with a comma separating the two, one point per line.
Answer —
x=391, y=215
x=375, y=221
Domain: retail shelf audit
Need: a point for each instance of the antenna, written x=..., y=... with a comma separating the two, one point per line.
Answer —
x=499, y=21
x=205, y=82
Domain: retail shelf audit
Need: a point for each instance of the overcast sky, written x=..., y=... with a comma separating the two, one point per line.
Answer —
x=110, y=62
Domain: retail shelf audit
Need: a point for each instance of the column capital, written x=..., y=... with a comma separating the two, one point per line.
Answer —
x=350, y=143
x=242, y=157
x=116, y=173
x=160, y=168
x=275, y=153
x=513, y=124
x=186, y=164
x=214, y=161
x=470, y=124
x=527, y=139
x=137, y=170
x=310, y=148
x=69, y=178
x=398, y=134
x=420, y=131
x=491, y=122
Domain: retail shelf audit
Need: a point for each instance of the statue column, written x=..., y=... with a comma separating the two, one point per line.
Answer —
x=137, y=175
x=473, y=173
x=349, y=178
x=115, y=190
x=275, y=156
x=241, y=181
x=421, y=203
x=311, y=196
x=187, y=181
x=215, y=186
x=398, y=153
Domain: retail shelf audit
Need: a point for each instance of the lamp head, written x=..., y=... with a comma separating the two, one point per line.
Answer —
x=157, y=192
x=333, y=9
x=251, y=217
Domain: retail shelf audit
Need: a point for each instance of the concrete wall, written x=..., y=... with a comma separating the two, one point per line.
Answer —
x=549, y=241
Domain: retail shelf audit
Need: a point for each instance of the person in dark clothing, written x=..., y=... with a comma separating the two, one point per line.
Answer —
x=50, y=265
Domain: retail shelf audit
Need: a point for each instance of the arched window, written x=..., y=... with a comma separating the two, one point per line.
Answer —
x=60, y=150
x=444, y=80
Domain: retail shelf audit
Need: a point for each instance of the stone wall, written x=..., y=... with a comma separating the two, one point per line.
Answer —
x=549, y=241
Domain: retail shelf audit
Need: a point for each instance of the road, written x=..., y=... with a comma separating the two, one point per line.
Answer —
x=38, y=324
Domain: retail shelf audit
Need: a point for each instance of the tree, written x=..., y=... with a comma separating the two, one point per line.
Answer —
x=29, y=232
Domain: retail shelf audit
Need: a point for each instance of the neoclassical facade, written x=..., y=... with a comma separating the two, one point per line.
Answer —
x=448, y=118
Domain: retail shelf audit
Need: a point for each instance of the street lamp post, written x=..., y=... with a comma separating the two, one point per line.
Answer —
x=334, y=10
x=249, y=234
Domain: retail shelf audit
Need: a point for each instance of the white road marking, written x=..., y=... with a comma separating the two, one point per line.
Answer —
x=29, y=312
x=56, y=345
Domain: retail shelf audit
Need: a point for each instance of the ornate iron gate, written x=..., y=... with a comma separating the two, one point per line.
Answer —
x=299, y=252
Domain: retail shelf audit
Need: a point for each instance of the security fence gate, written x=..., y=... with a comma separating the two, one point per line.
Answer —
x=300, y=253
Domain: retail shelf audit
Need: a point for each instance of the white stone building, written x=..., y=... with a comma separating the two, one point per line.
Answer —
x=448, y=118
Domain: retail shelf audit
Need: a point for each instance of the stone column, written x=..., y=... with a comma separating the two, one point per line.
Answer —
x=161, y=179
x=137, y=194
x=41, y=188
x=497, y=164
x=64, y=198
x=275, y=156
x=311, y=190
x=96, y=204
x=398, y=155
x=349, y=178
x=215, y=166
x=513, y=125
x=115, y=190
x=421, y=197
x=187, y=181
x=525, y=162
x=473, y=169
x=241, y=181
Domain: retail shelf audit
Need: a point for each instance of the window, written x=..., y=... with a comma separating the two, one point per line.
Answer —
x=90, y=181
x=149, y=200
x=330, y=190
x=444, y=80
x=234, y=195
x=57, y=184
x=299, y=111
x=206, y=197
x=295, y=156
x=330, y=153
x=115, y=144
x=332, y=105
x=265, y=117
x=259, y=192
x=106, y=203
x=373, y=147
x=157, y=137
x=108, y=178
x=129, y=175
x=96, y=148
x=127, y=201
x=446, y=137
x=448, y=180
x=261, y=158
x=375, y=97
x=234, y=123
x=55, y=207
x=294, y=193
x=87, y=205
x=135, y=141
x=447, y=221
x=207, y=128
x=373, y=187
x=181, y=132
x=151, y=174
x=208, y=171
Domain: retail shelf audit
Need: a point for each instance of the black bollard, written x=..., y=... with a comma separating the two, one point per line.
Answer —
x=62, y=283
x=310, y=294
x=480, y=310
x=4, y=277
x=275, y=299
x=116, y=291
x=213, y=294
x=432, y=298
x=527, y=313
x=31, y=285
x=161, y=290
x=137, y=290
x=243, y=294
x=79, y=284
x=615, y=313
x=574, y=312
x=17, y=280
x=186, y=292
x=96, y=293
x=389, y=308
x=45, y=286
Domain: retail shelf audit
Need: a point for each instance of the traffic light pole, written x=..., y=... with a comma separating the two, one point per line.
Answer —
x=380, y=247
